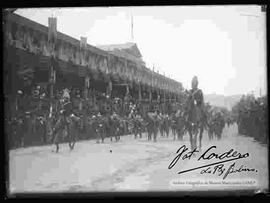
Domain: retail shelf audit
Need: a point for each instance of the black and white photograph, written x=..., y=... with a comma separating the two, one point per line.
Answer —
x=136, y=99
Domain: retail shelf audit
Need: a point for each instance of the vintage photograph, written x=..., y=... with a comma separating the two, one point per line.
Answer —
x=136, y=99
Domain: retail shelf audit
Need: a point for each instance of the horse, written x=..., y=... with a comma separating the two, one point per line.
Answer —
x=49, y=123
x=152, y=126
x=100, y=125
x=219, y=124
x=120, y=131
x=137, y=127
x=173, y=126
x=178, y=127
x=72, y=130
x=114, y=128
x=41, y=128
x=17, y=132
x=165, y=126
x=65, y=128
x=195, y=122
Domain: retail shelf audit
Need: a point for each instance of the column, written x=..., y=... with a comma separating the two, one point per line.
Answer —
x=86, y=86
x=164, y=96
x=127, y=89
x=140, y=92
x=52, y=80
x=150, y=95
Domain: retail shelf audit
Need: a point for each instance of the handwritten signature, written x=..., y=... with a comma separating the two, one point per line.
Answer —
x=213, y=168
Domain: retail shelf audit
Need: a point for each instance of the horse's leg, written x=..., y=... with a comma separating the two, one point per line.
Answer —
x=190, y=139
x=180, y=132
x=102, y=137
x=57, y=147
x=116, y=136
x=69, y=137
x=195, y=137
x=177, y=134
x=135, y=134
x=200, y=137
x=155, y=135
x=74, y=139
x=219, y=134
x=98, y=137
x=73, y=144
x=69, y=141
x=55, y=142
x=70, y=144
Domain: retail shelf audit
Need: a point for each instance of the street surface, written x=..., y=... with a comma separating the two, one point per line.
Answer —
x=135, y=165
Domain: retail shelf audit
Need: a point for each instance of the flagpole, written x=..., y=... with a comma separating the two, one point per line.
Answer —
x=51, y=41
x=132, y=35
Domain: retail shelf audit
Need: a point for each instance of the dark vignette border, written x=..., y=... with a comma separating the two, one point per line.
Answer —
x=187, y=195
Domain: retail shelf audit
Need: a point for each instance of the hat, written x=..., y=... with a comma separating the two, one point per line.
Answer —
x=194, y=80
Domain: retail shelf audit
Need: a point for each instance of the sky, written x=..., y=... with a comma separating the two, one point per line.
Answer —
x=224, y=46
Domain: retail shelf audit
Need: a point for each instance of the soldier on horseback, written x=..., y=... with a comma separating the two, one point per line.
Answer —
x=195, y=116
x=65, y=122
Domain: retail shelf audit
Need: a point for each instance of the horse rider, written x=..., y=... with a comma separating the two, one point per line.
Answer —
x=196, y=95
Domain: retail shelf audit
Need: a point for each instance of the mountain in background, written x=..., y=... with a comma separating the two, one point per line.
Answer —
x=221, y=100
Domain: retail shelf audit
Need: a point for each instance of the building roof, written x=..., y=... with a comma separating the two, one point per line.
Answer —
x=127, y=50
x=129, y=47
x=44, y=29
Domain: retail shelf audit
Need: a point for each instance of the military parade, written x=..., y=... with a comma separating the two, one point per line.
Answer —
x=65, y=96
x=68, y=115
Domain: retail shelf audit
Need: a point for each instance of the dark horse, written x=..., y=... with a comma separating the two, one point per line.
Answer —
x=178, y=126
x=152, y=125
x=195, y=122
x=66, y=128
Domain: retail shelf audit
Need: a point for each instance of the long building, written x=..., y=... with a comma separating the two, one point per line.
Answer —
x=111, y=69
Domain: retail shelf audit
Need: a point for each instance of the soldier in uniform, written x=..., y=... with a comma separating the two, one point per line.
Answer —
x=59, y=129
x=195, y=115
x=41, y=128
x=196, y=95
x=137, y=126
x=114, y=126
x=18, y=131
x=100, y=128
